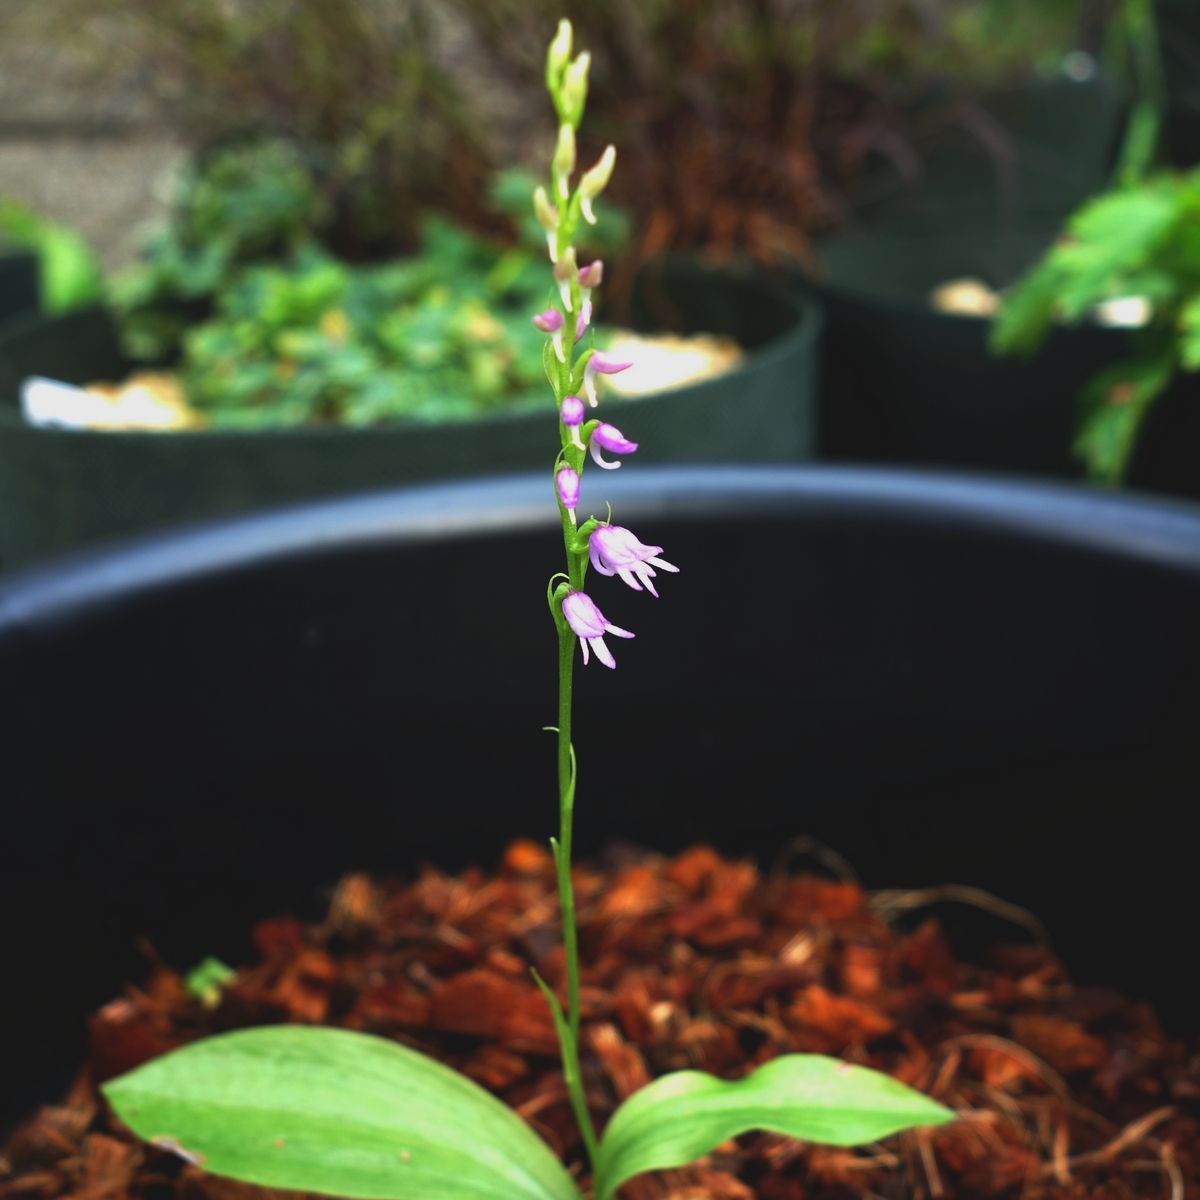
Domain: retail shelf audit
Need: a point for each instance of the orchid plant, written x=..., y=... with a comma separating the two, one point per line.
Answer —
x=344, y=1113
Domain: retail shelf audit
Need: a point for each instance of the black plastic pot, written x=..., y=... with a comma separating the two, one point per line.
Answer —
x=904, y=383
x=18, y=284
x=946, y=679
x=60, y=489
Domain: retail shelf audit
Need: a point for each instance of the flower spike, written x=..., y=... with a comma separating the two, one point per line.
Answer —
x=609, y=437
x=614, y=550
x=589, y=625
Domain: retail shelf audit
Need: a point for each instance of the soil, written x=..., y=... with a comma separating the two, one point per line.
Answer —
x=693, y=961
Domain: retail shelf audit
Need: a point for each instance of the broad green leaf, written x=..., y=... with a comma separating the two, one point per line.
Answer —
x=346, y=1114
x=683, y=1116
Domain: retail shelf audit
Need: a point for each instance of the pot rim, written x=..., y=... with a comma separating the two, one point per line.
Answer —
x=1137, y=528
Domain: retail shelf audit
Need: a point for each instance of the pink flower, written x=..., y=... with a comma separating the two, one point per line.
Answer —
x=588, y=624
x=566, y=483
x=600, y=364
x=615, y=550
x=609, y=437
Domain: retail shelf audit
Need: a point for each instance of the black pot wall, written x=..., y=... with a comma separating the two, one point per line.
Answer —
x=63, y=489
x=1004, y=160
x=904, y=383
x=19, y=289
x=945, y=679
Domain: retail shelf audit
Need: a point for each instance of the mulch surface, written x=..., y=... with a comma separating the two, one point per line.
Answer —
x=690, y=962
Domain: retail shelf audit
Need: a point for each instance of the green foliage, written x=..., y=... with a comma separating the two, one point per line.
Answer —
x=1139, y=240
x=680, y=1117
x=69, y=275
x=342, y=1113
x=237, y=206
x=444, y=335
x=206, y=980
x=348, y=1114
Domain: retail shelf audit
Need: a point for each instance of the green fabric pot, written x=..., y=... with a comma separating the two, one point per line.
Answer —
x=60, y=489
x=904, y=383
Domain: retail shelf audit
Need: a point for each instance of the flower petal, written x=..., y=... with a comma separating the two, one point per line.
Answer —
x=603, y=653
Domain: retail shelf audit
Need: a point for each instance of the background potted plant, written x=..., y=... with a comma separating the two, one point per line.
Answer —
x=314, y=375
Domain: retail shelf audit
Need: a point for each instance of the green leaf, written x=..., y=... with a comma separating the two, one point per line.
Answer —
x=1189, y=334
x=683, y=1116
x=1116, y=402
x=346, y=1114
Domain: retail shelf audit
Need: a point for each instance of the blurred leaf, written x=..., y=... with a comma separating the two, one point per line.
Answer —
x=1116, y=403
x=69, y=273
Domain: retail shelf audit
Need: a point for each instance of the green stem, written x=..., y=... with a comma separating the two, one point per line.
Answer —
x=568, y=1024
x=1139, y=147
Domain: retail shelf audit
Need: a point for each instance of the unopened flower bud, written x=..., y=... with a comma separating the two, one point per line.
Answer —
x=572, y=410
x=566, y=483
x=564, y=160
x=548, y=321
x=591, y=275
x=558, y=55
x=566, y=272
x=546, y=213
x=594, y=181
x=583, y=320
x=575, y=88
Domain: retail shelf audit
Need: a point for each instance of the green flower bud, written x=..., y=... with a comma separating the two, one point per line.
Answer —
x=546, y=213
x=575, y=88
x=564, y=159
x=559, y=55
x=595, y=181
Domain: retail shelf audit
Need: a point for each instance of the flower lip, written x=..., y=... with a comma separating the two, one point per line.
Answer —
x=609, y=437
x=599, y=363
x=605, y=365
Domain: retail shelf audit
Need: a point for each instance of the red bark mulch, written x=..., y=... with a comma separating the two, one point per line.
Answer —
x=690, y=962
